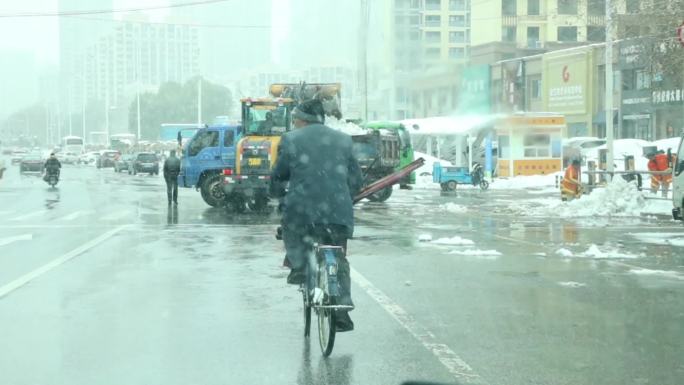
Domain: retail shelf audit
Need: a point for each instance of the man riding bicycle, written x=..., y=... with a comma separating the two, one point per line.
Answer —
x=322, y=176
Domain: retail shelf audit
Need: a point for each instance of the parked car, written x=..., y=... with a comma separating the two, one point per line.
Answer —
x=144, y=162
x=31, y=162
x=107, y=158
x=17, y=155
x=123, y=162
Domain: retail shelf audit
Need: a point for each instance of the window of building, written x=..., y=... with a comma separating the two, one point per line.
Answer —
x=628, y=80
x=433, y=5
x=537, y=145
x=596, y=33
x=509, y=7
x=414, y=21
x=433, y=37
x=432, y=53
x=535, y=89
x=596, y=7
x=567, y=33
x=457, y=5
x=533, y=7
x=402, y=4
x=456, y=21
x=567, y=7
x=457, y=37
x=643, y=80
x=400, y=95
x=508, y=34
x=414, y=35
x=532, y=37
x=399, y=20
x=632, y=6
x=433, y=20
x=456, y=53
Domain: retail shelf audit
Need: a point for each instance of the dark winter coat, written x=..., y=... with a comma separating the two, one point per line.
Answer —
x=323, y=177
x=172, y=167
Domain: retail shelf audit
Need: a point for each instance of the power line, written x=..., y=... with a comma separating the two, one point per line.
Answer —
x=196, y=25
x=108, y=11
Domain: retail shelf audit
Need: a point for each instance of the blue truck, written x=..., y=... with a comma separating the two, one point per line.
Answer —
x=206, y=158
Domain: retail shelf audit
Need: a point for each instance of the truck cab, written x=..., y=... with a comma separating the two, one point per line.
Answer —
x=678, y=183
x=206, y=157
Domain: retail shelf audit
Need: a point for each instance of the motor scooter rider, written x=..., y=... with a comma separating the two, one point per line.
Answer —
x=52, y=166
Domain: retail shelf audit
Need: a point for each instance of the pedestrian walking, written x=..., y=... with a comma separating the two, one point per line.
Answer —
x=171, y=171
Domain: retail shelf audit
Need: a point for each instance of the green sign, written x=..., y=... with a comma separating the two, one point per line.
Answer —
x=475, y=92
x=566, y=82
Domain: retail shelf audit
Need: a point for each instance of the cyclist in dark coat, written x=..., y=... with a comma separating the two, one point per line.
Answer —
x=323, y=178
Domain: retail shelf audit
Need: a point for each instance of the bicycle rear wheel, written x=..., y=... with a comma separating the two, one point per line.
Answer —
x=326, y=329
x=307, y=313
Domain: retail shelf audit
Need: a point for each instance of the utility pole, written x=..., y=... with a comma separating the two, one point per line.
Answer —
x=107, y=117
x=138, y=103
x=609, y=87
x=199, y=100
x=83, y=114
x=363, y=58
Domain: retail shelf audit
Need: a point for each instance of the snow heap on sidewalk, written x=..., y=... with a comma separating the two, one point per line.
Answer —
x=618, y=199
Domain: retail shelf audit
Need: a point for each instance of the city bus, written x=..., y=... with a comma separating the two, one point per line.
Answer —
x=73, y=144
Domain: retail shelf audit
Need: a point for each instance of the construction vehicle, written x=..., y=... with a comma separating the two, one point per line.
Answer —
x=378, y=155
x=406, y=154
x=264, y=121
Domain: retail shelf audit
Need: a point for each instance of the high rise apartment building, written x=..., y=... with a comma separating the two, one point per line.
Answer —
x=140, y=55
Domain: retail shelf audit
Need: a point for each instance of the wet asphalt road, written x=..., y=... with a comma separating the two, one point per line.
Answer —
x=100, y=283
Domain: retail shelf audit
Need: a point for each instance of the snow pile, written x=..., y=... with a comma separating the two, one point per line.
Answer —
x=618, y=199
x=424, y=238
x=453, y=208
x=596, y=253
x=454, y=241
x=661, y=273
x=477, y=253
x=565, y=253
x=572, y=284
x=346, y=127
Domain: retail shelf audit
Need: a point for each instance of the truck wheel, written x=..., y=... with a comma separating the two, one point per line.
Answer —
x=451, y=185
x=444, y=186
x=212, y=191
x=381, y=195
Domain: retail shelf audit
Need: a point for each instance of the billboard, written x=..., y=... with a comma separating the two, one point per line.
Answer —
x=475, y=92
x=566, y=79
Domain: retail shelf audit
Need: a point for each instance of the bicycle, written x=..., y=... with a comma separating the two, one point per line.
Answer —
x=321, y=292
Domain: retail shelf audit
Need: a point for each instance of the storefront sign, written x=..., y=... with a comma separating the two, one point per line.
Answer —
x=668, y=96
x=566, y=79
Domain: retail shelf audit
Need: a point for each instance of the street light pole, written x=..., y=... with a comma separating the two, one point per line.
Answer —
x=199, y=100
x=609, y=87
x=138, y=105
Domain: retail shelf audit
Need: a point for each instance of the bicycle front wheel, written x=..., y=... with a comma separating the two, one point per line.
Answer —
x=326, y=329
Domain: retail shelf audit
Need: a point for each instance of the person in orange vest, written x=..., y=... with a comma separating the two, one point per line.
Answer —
x=571, y=187
x=658, y=161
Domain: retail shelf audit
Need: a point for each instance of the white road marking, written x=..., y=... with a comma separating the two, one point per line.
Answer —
x=26, y=278
x=116, y=215
x=29, y=215
x=451, y=361
x=24, y=237
x=75, y=215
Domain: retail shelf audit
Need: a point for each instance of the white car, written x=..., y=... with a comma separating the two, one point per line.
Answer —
x=68, y=158
x=89, y=157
